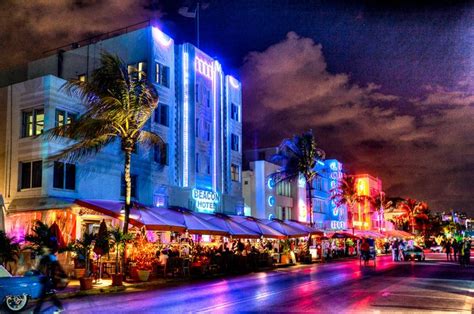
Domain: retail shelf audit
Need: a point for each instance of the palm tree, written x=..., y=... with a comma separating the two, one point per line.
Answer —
x=380, y=203
x=298, y=156
x=414, y=210
x=118, y=104
x=41, y=237
x=118, y=239
x=347, y=194
x=9, y=249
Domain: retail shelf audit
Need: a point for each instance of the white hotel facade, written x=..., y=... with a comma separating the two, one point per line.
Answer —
x=199, y=116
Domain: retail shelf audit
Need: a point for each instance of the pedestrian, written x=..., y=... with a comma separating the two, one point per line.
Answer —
x=447, y=248
x=455, y=249
x=364, y=251
x=467, y=252
x=401, y=249
x=395, y=250
x=462, y=257
x=53, y=276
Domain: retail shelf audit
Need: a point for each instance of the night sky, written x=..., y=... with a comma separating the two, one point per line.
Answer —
x=387, y=89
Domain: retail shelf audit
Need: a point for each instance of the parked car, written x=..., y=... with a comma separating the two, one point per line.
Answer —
x=15, y=292
x=414, y=253
x=436, y=249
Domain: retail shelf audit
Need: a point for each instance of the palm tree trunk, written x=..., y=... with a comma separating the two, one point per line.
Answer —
x=128, y=187
x=309, y=203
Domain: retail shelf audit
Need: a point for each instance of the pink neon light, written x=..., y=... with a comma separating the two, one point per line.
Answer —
x=161, y=38
x=203, y=67
x=233, y=82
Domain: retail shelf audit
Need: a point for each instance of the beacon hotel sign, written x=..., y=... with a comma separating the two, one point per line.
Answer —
x=205, y=201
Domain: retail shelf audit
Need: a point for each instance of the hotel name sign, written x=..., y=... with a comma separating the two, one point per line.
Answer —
x=205, y=200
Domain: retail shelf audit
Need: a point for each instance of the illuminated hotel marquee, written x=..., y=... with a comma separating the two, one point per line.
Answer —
x=205, y=200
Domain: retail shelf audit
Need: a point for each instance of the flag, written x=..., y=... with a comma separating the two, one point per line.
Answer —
x=190, y=8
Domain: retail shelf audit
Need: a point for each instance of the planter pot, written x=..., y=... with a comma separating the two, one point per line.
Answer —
x=86, y=283
x=285, y=259
x=143, y=275
x=117, y=280
x=79, y=272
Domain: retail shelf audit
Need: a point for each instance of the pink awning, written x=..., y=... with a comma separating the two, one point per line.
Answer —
x=258, y=227
x=139, y=215
x=369, y=234
x=235, y=229
x=193, y=223
x=284, y=228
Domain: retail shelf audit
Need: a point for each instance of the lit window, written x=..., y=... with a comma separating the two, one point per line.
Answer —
x=234, y=142
x=234, y=112
x=235, y=172
x=63, y=117
x=82, y=77
x=162, y=74
x=32, y=122
x=141, y=70
x=64, y=176
x=198, y=127
x=31, y=174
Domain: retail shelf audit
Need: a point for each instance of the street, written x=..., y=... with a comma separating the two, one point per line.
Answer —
x=338, y=287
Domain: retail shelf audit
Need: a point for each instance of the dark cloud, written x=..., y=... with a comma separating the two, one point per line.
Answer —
x=411, y=144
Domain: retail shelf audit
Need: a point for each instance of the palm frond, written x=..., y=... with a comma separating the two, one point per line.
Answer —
x=150, y=139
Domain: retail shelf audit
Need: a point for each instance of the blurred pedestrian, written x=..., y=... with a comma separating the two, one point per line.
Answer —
x=401, y=250
x=467, y=252
x=456, y=249
x=447, y=248
x=395, y=250
x=53, y=276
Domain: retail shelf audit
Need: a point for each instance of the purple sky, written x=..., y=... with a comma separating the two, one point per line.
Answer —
x=388, y=89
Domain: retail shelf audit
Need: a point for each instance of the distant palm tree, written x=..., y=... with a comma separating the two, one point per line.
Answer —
x=298, y=156
x=118, y=104
x=413, y=210
x=380, y=204
x=347, y=194
x=9, y=249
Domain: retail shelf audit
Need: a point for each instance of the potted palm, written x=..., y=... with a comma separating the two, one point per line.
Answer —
x=82, y=249
x=285, y=249
x=9, y=249
x=144, y=257
x=118, y=242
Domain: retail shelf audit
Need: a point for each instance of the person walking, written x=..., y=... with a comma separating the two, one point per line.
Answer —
x=401, y=249
x=467, y=252
x=462, y=260
x=52, y=274
x=455, y=249
x=447, y=248
x=395, y=250
x=364, y=251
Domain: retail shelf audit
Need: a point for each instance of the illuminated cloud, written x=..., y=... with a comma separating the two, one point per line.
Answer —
x=420, y=147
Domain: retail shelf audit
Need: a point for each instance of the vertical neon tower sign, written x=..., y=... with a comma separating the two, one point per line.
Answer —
x=185, y=119
x=215, y=66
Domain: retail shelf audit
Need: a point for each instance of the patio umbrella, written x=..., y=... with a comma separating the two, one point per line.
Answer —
x=284, y=228
x=56, y=232
x=190, y=220
x=225, y=222
x=258, y=226
x=101, y=246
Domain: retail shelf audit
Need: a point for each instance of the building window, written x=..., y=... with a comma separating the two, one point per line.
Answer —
x=318, y=184
x=207, y=127
x=197, y=100
x=284, y=189
x=31, y=174
x=63, y=117
x=162, y=74
x=234, y=142
x=82, y=77
x=197, y=127
x=134, y=185
x=208, y=98
x=261, y=155
x=32, y=122
x=235, y=172
x=160, y=154
x=208, y=166
x=141, y=70
x=162, y=114
x=64, y=176
x=234, y=112
x=197, y=162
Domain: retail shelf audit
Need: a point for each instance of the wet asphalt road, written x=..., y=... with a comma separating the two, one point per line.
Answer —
x=339, y=287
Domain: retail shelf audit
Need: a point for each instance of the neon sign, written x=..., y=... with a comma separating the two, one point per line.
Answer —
x=205, y=200
x=233, y=82
x=185, y=118
x=271, y=183
x=271, y=200
x=203, y=67
x=336, y=224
